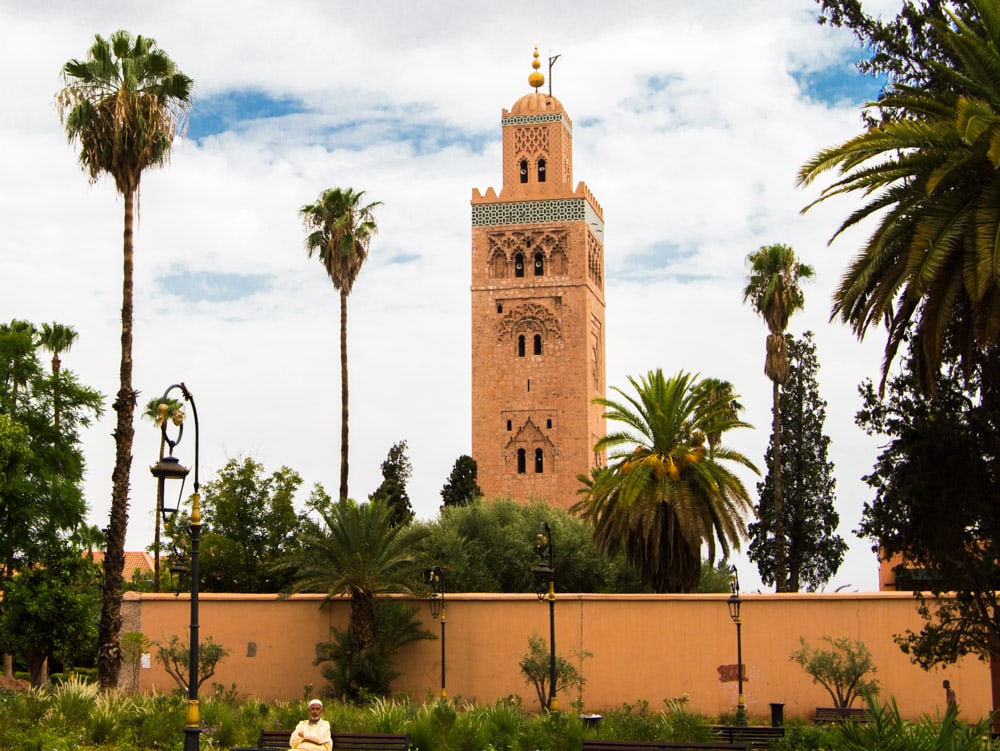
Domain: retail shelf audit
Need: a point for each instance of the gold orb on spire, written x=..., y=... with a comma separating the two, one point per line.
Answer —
x=536, y=79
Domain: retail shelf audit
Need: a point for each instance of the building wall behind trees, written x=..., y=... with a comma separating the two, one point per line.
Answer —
x=644, y=647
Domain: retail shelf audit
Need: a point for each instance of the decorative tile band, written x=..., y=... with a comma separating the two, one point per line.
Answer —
x=526, y=119
x=529, y=212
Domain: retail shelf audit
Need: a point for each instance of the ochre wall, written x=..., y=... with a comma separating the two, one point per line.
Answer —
x=650, y=647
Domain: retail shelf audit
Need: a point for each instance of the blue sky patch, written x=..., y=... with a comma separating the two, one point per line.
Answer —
x=838, y=84
x=207, y=286
x=226, y=111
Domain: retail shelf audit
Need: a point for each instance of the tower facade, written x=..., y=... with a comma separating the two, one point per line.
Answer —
x=537, y=312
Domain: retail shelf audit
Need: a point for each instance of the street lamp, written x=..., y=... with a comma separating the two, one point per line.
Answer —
x=545, y=579
x=169, y=468
x=435, y=578
x=734, y=613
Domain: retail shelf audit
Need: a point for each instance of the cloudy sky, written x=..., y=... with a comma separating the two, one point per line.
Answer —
x=691, y=120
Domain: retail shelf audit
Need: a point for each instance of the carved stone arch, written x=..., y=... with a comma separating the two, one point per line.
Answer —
x=498, y=265
x=531, y=314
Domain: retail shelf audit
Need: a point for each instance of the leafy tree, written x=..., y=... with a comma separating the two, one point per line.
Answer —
x=371, y=673
x=249, y=524
x=929, y=177
x=489, y=547
x=462, y=487
x=396, y=472
x=935, y=485
x=773, y=291
x=124, y=103
x=175, y=656
x=341, y=227
x=667, y=493
x=844, y=669
x=815, y=551
x=536, y=669
x=357, y=551
x=49, y=610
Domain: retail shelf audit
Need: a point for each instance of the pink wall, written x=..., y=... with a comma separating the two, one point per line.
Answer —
x=650, y=647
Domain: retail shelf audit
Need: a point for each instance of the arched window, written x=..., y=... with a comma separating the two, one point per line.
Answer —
x=541, y=171
x=538, y=344
x=524, y=170
x=499, y=307
x=509, y=425
x=520, y=345
x=548, y=423
x=539, y=263
x=521, y=462
x=519, y=264
x=538, y=460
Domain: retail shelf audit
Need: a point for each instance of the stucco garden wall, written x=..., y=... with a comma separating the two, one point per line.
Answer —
x=645, y=647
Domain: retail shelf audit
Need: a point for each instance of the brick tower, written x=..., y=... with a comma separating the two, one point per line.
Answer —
x=537, y=312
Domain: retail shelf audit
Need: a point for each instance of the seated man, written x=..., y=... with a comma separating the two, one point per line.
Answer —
x=312, y=734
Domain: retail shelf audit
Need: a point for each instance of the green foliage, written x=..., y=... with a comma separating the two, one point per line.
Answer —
x=489, y=547
x=49, y=610
x=536, y=668
x=249, y=523
x=359, y=675
x=462, y=487
x=844, y=669
x=669, y=489
x=935, y=489
x=814, y=551
x=887, y=731
x=175, y=656
x=396, y=472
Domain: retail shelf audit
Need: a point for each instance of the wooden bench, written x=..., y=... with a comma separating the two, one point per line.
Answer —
x=272, y=739
x=594, y=744
x=840, y=714
x=756, y=736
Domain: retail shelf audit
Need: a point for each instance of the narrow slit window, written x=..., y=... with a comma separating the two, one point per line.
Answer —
x=538, y=461
x=519, y=264
x=524, y=170
x=539, y=264
x=548, y=424
x=538, y=344
x=510, y=425
x=520, y=345
x=521, y=462
x=541, y=170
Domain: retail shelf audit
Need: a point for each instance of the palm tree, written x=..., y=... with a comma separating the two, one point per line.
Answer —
x=340, y=229
x=358, y=552
x=930, y=176
x=24, y=339
x=665, y=495
x=56, y=338
x=773, y=291
x=124, y=104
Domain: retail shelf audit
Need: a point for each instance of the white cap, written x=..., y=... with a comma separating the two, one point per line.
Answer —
x=315, y=703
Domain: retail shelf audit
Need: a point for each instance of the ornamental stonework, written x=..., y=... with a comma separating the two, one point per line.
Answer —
x=529, y=212
x=524, y=315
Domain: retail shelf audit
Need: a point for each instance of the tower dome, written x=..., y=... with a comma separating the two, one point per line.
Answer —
x=536, y=102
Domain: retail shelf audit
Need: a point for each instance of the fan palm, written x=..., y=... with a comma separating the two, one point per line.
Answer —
x=123, y=104
x=358, y=552
x=56, y=338
x=341, y=227
x=773, y=291
x=665, y=494
x=931, y=177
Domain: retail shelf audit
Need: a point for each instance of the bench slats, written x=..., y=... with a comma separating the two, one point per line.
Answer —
x=594, y=744
x=278, y=739
x=840, y=714
x=757, y=736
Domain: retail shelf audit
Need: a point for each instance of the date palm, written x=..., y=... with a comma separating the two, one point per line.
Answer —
x=123, y=104
x=341, y=227
x=56, y=338
x=773, y=291
x=930, y=179
x=665, y=493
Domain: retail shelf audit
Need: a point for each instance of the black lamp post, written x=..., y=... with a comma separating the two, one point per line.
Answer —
x=734, y=613
x=435, y=578
x=545, y=579
x=169, y=468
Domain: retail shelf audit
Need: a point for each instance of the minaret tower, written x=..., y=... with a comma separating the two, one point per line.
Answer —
x=537, y=312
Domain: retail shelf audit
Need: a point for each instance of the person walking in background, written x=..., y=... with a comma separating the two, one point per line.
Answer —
x=312, y=734
x=949, y=696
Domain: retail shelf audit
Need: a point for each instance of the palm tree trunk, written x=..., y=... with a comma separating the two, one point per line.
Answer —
x=780, y=566
x=343, y=396
x=109, y=627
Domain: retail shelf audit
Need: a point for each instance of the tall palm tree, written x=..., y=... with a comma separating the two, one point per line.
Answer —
x=773, y=291
x=664, y=495
x=930, y=178
x=56, y=338
x=341, y=226
x=123, y=104
x=357, y=551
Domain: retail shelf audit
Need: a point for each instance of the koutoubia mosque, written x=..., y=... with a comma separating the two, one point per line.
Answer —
x=537, y=312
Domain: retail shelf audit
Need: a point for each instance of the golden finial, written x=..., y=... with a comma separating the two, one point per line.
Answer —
x=536, y=79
